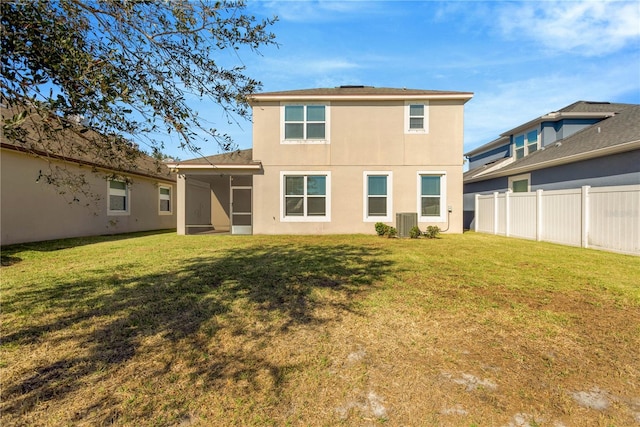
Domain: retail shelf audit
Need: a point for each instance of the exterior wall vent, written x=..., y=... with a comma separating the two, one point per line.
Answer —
x=405, y=222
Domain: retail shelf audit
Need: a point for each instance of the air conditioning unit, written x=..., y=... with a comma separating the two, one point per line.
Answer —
x=405, y=222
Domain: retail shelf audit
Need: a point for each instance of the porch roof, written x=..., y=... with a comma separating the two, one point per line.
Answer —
x=238, y=160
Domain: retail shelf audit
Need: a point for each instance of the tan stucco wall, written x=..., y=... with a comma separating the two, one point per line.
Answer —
x=347, y=200
x=34, y=211
x=362, y=134
x=362, y=138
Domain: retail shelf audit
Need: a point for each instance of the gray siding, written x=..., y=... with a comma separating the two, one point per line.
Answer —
x=555, y=131
x=489, y=156
x=617, y=169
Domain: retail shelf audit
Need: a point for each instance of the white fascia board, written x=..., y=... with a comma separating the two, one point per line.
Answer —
x=311, y=98
x=175, y=167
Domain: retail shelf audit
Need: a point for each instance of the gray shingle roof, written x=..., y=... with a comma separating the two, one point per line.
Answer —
x=618, y=133
x=593, y=107
x=79, y=144
x=360, y=91
x=237, y=157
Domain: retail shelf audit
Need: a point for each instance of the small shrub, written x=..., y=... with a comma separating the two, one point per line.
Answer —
x=415, y=232
x=382, y=229
x=392, y=232
x=432, y=232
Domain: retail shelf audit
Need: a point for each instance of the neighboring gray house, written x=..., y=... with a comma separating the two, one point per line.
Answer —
x=585, y=143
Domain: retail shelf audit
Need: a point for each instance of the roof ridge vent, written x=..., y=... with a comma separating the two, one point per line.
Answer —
x=352, y=87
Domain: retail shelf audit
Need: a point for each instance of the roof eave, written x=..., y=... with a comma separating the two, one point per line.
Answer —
x=177, y=167
x=463, y=96
x=555, y=116
x=493, y=144
x=619, y=148
x=66, y=159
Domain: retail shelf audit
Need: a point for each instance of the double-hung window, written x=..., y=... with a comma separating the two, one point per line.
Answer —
x=532, y=141
x=118, y=197
x=377, y=196
x=432, y=196
x=416, y=117
x=519, y=143
x=305, y=123
x=164, y=194
x=305, y=196
x=525, y=143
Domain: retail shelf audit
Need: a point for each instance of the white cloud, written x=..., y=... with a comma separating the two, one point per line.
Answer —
x=320, y=10
x=588, y=28
x=294, y=66
x=502, y=106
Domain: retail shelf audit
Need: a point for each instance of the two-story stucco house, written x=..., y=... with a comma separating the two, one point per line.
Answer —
x=337, y=160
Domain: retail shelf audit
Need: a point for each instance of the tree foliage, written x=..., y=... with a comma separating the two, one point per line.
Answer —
x=126, y=67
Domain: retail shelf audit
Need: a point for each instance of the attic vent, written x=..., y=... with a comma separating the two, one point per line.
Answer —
x=597, y=103
x=352, y=87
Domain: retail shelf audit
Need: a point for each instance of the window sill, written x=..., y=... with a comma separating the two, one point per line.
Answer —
x=305, y=219
x=377, y=219
x=305, y=141
x=118, y=213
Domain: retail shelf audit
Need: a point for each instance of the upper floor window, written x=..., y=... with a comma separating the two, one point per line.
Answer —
x=164, y=194
x=305, y=196
x=305, y=123
x=416, y=117
x=118, y=197
x=526, y=143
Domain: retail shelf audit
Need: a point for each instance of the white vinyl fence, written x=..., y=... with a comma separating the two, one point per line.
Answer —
x=600, y=218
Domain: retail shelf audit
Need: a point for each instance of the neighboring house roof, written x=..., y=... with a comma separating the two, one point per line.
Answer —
x=615, y=134
x=77, y=144
x=579, y=109
x=233, y=160
x=358, y=92
x=237, y=157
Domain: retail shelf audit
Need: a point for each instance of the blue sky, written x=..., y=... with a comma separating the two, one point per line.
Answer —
x=520, y=59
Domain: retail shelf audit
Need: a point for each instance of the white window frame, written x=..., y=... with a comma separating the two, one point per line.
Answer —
x=162, y=197
x=442, y=217
x=407, y=117
x=126, y=193
x=304, y=140
x=365, y=196
x=526, y=145
x=522, y=177
x=305, y=218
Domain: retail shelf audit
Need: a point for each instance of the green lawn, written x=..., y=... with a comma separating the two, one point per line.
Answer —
x=163, y=330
